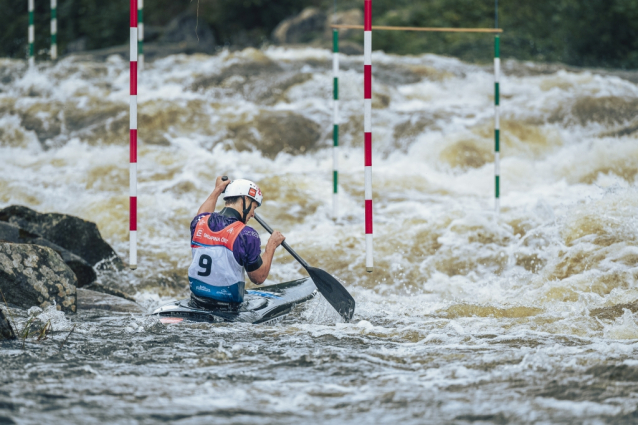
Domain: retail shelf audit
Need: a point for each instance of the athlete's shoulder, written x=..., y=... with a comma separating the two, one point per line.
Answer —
x=250, y=232
x=200, y=216
x=195, y=221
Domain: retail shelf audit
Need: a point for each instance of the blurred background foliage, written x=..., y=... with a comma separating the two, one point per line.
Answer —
x=598, y=33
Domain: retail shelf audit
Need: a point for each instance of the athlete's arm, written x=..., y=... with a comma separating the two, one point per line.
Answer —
x=259, y=276
x=209, y=204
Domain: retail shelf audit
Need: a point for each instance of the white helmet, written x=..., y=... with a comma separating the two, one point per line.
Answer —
x=242, y=187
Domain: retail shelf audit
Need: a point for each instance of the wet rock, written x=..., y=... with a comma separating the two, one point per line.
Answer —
x=74, y=234
x=31, y=275
x=348, y=17
x=278, y=131
x=83, y=270
x=314, y=26
x=303, y=28
x=6, y=331
x=88, y=299
x=98, y=287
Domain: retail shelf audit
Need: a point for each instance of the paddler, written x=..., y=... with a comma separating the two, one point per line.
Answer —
x=224, y=246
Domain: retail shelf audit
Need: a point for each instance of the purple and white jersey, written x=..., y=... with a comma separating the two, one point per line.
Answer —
x=247, y=246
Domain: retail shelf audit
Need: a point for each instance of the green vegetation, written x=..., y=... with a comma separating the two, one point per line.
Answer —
x=583, y=33
x=106, y=23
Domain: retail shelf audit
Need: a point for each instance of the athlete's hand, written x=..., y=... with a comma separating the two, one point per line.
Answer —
x=276, y=239
x=220, y=185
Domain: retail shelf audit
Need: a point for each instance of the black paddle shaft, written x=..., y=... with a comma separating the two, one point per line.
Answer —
x=284, y=243
x=330, y=288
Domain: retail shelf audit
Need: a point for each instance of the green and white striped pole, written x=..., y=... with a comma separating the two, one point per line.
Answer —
x=140, y=35
x=497, y=124
x=335, y=122
x=31, y=35
x=54, y=29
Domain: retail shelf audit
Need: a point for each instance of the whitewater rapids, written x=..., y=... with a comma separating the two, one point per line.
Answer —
x=470, y=316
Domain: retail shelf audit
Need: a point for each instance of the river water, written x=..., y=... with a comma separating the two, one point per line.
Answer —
x=525, y=316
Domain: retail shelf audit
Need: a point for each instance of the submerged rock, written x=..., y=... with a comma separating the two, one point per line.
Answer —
x=83, y=270
x=31, y=275
x=88, y=299
x=78, y=236
x=277, y=131
x=6, y=331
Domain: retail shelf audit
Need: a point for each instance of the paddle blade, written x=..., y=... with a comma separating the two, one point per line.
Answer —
x=334, y=292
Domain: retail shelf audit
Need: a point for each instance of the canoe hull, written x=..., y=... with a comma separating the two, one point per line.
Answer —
x=267, y=303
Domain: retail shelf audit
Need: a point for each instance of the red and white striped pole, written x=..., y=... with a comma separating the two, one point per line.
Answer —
x=367, y=126
x=133, y=139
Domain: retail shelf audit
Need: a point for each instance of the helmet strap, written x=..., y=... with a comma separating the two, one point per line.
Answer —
x=246, y=210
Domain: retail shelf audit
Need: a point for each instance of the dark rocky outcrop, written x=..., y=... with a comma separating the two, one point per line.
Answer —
x=35, y=275
x=93, y=300
x=314, y=26
x=347, y=17
x=83, y=270
x=6, y=331
x=78, y=236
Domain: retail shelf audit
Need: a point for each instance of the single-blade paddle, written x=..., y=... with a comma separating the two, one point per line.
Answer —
x=330, y=288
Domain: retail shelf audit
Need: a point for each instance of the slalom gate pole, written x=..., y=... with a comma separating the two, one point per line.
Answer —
x=140, y=33
x=54, y=29
x=497, y=124
x=31, y=35
x=367, y=127
x=367, y=69
x=133, y=138
x=335, y=123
